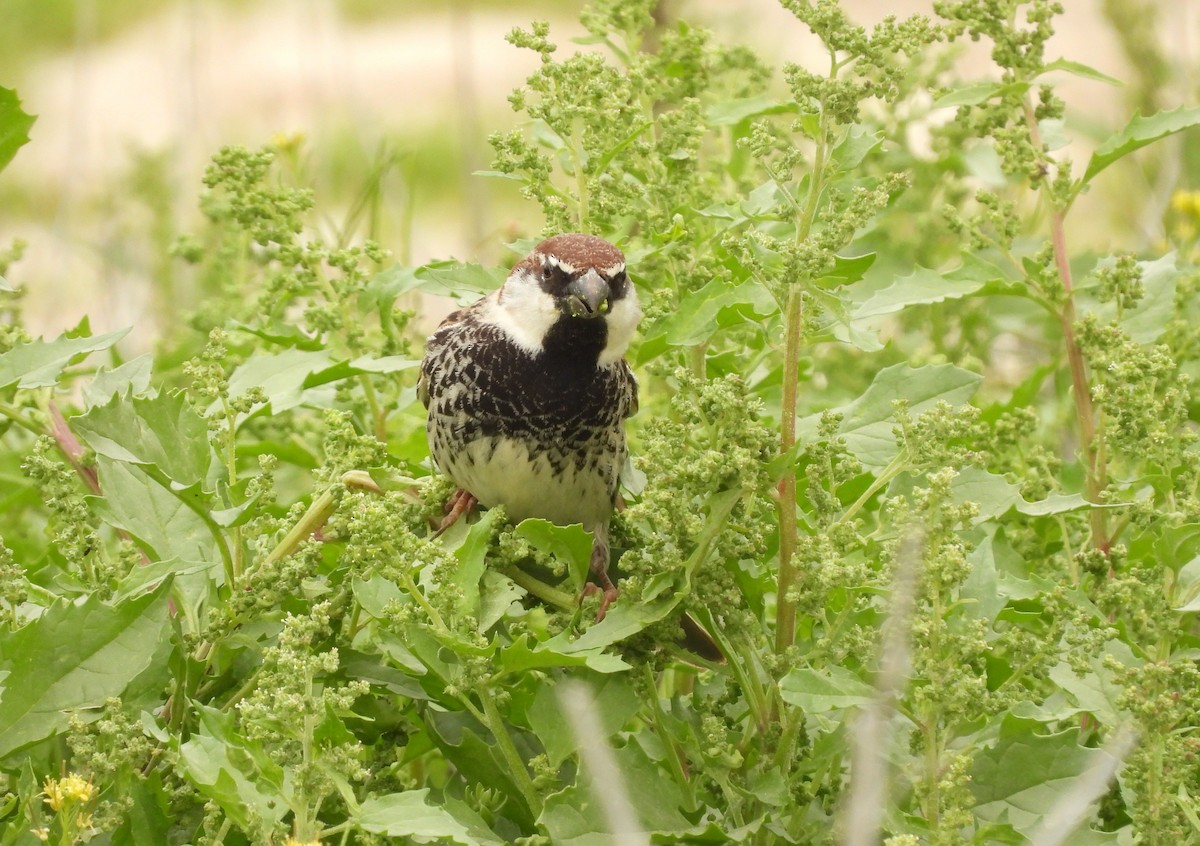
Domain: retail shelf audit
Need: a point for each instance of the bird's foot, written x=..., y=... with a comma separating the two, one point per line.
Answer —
x=609, y=594
x=599, y=580
x=460, y=503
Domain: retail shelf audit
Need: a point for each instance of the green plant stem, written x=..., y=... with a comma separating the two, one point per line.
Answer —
x=675, y=756
x=492, y=718
x=894, y=468
x=1085, y=414
x=378, y=414
x=17, y=417
x=237, y=560
x=547, y=593
x=785, y=614
x=314, y=518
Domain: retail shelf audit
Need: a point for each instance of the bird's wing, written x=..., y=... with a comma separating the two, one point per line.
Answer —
x=629, y=389
x=433, y=345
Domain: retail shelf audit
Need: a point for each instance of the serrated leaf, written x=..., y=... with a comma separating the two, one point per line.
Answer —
x=158, y=518
x=39, y=363
x=518, y=657
x=867, y=422
x=1137, y=134
x=458, y=279
x=859, y=143
x=497, y=593
x=409, y=814
x=921, y=287
x=820, y=691
x=1098, y=691
x=74, y=657
x=226, y=770
x=281, y=376
x=472, y=559
x=132, y=377
x=161, y=431
x=572, y=545
x=14, y=125
x=1022, y=777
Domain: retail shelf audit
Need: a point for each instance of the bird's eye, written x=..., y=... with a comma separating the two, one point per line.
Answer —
x=547, y=273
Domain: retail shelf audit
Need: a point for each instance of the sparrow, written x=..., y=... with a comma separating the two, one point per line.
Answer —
x=528, y=391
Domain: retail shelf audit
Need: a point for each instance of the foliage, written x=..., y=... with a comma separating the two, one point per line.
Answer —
x=928, y=478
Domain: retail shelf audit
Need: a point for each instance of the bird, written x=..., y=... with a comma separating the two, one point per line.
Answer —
x=528, y=391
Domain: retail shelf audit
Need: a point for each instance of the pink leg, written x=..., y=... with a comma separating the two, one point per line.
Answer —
x=599, y=578
x=461, y=502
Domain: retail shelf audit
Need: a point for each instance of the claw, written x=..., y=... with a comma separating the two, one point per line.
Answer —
x=598, y=578
x=460, y=503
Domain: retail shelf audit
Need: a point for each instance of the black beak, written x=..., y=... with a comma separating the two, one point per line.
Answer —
x=587, y=296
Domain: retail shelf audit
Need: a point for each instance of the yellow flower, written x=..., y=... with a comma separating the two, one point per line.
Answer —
x=1186, y=203
x=72, y=790
x=288, y=142
x=291, y=841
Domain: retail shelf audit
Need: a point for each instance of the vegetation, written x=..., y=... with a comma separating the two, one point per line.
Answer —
x=927, y=472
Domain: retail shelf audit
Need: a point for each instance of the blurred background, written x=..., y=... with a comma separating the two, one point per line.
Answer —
x=384, y=108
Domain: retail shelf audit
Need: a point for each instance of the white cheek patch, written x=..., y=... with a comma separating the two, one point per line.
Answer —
x=622, y=322
x=526, y=314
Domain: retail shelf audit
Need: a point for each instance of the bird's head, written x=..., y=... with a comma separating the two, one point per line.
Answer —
x=574, y=286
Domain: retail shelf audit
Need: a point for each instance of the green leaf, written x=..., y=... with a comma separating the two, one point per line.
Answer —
x=572, y=545
x=145, y=818
x=161, y=431
x=1147, y=320
x=1083, y=71
x=458, y=279
x=472, y=559
x=973, y=95
x=733, y=112
x=458, y=737
x=718, y=304
x=156, y=517
x=132, y=377
x=39, y=363
x=1022, y=777
x=74, y=657
x=518, y=657
x=848, y=269
x=281, y=376
x=497, y=593
x=1098, y=692
x=235, y=774
x=14, y=125
x=615, y=702
x=1137, y=134
x=573, y=817
x=859, y=143
x=820, y=691
x=920, y=287
x=409, y=814
x=867, y=422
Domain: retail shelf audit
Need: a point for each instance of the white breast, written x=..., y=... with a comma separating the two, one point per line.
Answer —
x=500, y=471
